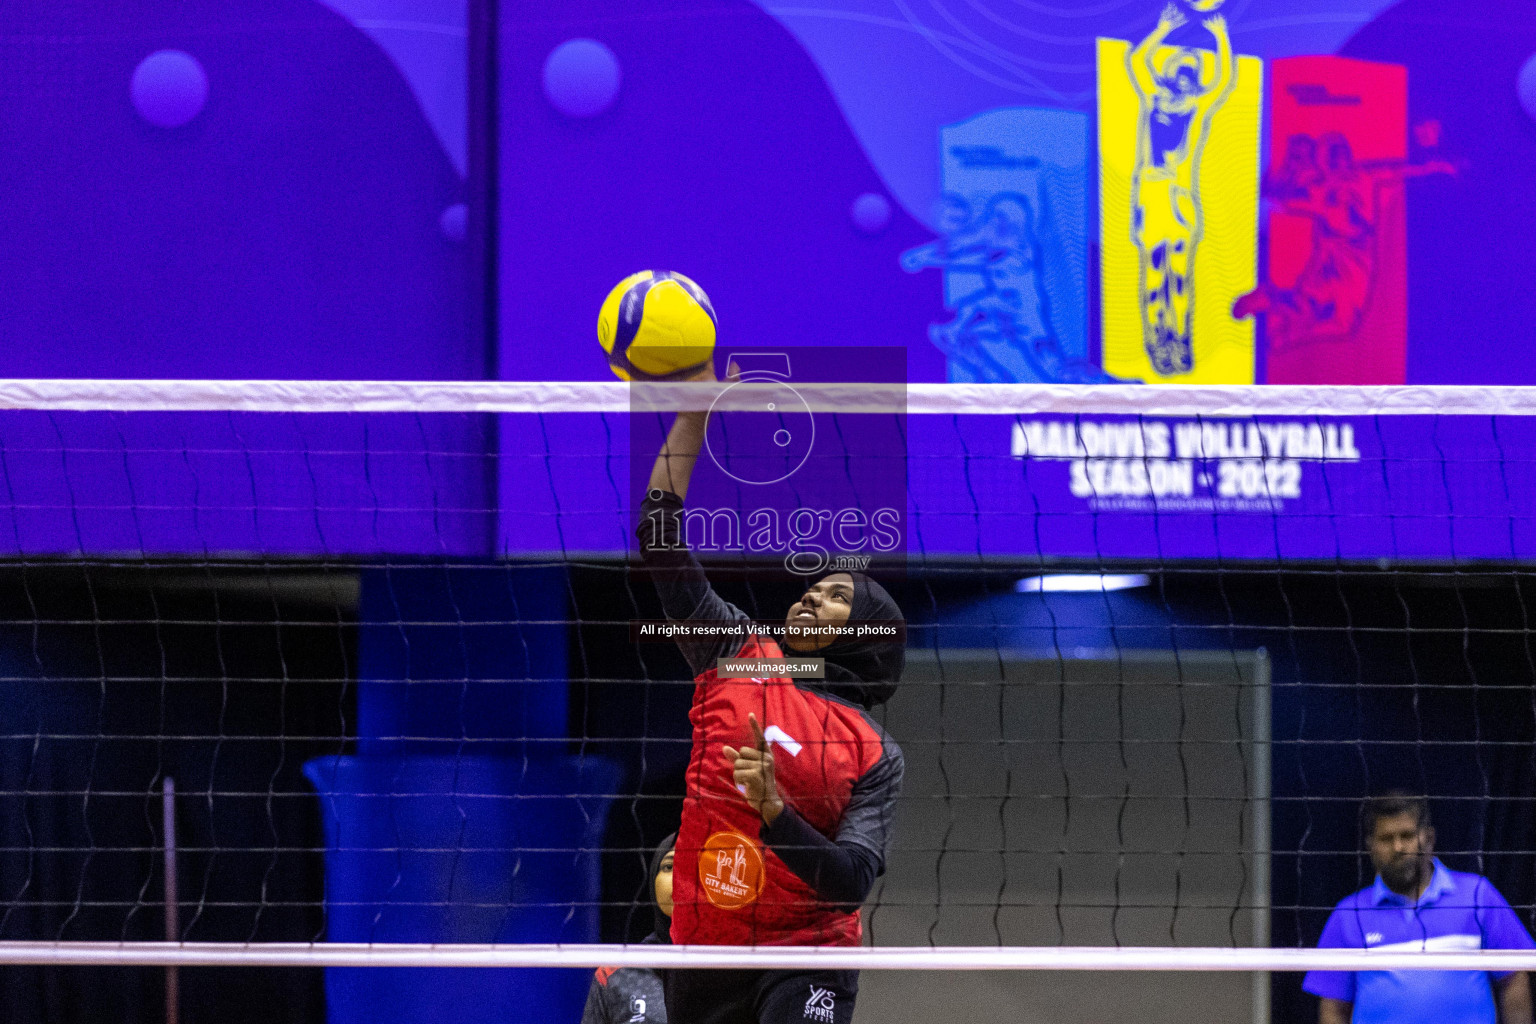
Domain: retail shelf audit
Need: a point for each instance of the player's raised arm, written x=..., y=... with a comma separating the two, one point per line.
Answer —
x=1226, y=67
x=680, y=581
x=1139, y=61
x=674, y=464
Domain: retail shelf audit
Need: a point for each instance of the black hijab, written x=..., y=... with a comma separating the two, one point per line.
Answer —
x=866, y=670
x=661, y=924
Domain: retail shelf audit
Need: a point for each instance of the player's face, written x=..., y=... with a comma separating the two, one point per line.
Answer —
x=827, y=603
x=1400, y=850
x=664, y=885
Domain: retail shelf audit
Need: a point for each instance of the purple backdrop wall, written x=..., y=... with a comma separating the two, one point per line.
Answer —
x=290, y=229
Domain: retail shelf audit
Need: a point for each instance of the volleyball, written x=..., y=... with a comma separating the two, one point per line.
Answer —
x=1204, y=6
x=656, y=325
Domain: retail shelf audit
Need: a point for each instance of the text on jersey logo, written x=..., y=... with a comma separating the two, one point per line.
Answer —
x=821, y=1006
x=731, y=870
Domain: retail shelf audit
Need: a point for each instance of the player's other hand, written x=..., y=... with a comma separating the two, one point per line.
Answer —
x=752, y=774
x=1172, y=16
x=1216, y=24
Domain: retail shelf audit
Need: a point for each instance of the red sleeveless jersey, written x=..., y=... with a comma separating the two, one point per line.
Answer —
x=728, y=888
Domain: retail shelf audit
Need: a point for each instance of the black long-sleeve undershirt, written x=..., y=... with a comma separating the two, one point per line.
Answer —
x=840, y=873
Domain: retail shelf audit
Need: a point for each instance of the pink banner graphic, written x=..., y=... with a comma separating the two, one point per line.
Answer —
x=1334, y=303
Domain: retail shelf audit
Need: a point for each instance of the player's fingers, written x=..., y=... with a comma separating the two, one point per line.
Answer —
x=757, y=732
x=731, y=753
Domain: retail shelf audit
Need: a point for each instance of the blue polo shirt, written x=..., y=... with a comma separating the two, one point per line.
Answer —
x=1457, y=911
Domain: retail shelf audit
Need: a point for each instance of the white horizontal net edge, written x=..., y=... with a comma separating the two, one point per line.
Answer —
x=954, y=958
x=322, y=396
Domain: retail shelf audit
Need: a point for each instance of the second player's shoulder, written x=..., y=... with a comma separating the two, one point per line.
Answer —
x=887, y=760
x=877, y=729
x=890, y=750
x=851, y=726
x=630, y=994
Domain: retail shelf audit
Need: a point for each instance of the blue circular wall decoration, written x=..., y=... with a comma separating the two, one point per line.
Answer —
x=168, y=88
x=871, y=212
x=581, y=78
x=1525, y=86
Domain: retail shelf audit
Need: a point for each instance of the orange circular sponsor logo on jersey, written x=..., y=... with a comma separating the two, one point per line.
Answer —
x=731, y=870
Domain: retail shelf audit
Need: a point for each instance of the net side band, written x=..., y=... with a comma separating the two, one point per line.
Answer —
x=336, y=396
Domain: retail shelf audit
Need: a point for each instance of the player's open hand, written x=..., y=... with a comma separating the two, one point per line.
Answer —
x=752, y=775
x=1172, y=16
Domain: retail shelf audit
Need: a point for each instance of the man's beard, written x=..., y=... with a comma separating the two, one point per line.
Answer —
x=1404, y=874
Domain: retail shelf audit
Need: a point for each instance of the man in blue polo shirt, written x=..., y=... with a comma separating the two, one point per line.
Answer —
x=1418, y=903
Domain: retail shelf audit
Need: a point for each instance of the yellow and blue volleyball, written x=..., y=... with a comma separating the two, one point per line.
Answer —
x=657, y=325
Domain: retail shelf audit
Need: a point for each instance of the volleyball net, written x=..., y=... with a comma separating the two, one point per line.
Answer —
x=357, y=673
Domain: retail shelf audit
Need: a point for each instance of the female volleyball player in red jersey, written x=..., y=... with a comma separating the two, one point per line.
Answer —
x=791, y=784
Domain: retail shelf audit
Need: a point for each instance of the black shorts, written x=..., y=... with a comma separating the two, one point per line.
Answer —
x=760, y=997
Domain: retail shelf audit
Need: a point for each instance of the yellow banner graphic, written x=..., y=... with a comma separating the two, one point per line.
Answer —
x=1179, y=206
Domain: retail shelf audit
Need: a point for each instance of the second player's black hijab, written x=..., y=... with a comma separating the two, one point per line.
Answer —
x=661, y=924
x=866, y=671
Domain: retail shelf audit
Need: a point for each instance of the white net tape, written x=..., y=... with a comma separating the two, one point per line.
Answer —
x=321, y=396
x=951, y=958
